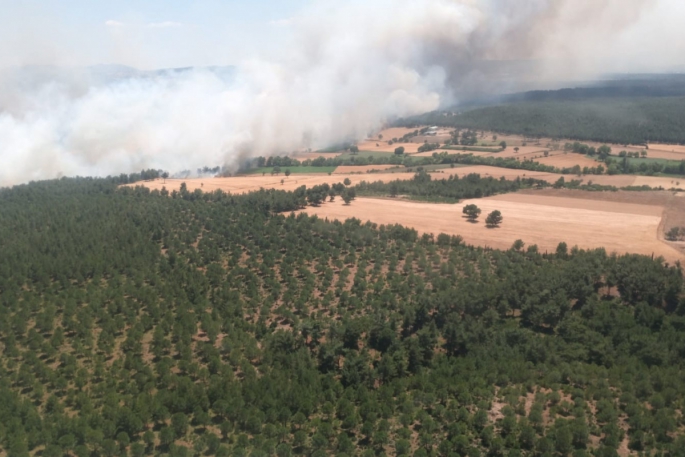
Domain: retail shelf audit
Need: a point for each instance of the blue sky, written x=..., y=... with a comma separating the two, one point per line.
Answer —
x=146, y=34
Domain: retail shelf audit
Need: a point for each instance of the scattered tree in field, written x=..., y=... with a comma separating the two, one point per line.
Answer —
x=546, y=153
x=354, y=149
x=287, y=171
x=347, y=181
x=643, y=153
x=472, y=212
x=276, y=170
x=380, y=137
x=674, y=233
x=348, y=195
x=516, y=149
x=399, y=151
x=503, y=145
x=518, y=245
x=494, y=219
x=165, y=175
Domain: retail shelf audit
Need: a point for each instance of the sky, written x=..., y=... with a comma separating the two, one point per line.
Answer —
x=145, y=34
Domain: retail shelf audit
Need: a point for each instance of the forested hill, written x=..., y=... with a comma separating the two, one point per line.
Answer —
x=633, y=120
x=136, y=323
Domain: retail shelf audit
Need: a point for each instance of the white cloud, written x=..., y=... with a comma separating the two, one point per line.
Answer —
x=113, y=23
x=163, y=25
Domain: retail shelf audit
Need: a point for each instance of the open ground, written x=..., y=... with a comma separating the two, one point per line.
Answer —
x=542, y=220
x=249, y=183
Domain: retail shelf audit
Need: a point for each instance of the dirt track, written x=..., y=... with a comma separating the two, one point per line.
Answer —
x=617, y=227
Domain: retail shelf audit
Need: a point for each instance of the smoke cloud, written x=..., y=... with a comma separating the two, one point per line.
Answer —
x=348, y=69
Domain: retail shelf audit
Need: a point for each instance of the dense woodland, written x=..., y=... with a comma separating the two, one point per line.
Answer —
x=451, y=189
x=147, y=323
x=634, y=120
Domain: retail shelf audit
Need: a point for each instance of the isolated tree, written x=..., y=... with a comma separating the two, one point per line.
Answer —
x=503, y=145
x=399, y=151
x=516, y=149
x=347, y=181
x=472, y=212
x=380, y=137
x=287, y=171
x=494, y=219
x=276, y=169
x=354, y=149
x=643, y=153
x=165, y=175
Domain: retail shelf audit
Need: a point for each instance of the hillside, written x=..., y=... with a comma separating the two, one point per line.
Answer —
x=633, y=120
x=141, y=323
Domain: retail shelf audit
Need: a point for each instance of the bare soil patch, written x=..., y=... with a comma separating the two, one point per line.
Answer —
x=616, y=227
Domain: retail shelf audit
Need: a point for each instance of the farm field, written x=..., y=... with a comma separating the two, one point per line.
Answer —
x=541, y=220
x=345, y=169
x=250, y=183
x=293, y=170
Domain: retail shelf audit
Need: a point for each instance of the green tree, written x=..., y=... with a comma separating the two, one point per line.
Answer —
x=472, y=212
x=399, y=151
x=494, y=219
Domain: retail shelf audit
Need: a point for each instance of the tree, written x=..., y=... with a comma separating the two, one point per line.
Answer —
x=348, y=195
x=276, y=169
x=516, y=149
x=399, y=151
x=494, y=219
x=287, y=171
x=165, y=175
x=347, y=181
x=503, y=145
x=472, y=212
x=354, y=149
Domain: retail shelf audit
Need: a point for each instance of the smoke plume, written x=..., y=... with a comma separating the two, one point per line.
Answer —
x=349, y=68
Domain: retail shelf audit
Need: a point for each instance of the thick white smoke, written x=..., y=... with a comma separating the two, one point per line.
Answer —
x=350, y=67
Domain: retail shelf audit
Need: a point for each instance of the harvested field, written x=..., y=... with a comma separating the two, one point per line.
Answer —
x=345, y=169
x=677, y=148
x=383, y=146
x=245, y=184
x=561, y=160
x=545, y=221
